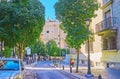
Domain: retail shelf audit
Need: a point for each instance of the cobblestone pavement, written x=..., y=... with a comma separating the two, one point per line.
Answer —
x=29, y=74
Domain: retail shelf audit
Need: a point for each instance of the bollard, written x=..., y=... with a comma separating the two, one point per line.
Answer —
x=63, y=67
x=71, y=69
x=99, y=76
x=27, y=62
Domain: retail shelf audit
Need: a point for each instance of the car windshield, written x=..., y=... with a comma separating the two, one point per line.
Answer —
x=9, y=65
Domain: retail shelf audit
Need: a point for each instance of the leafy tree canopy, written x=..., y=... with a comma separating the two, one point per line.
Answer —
x=53, y=50
x=21, y=22
x=39, y=48
x=72, y=14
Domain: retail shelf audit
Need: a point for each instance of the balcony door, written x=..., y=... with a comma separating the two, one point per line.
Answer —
x=107, y=19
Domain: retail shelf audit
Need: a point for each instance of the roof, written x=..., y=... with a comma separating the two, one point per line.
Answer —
x=9, y=59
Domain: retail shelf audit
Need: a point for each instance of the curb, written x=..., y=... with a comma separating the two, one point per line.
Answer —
x=74, y=75
x=66, y=72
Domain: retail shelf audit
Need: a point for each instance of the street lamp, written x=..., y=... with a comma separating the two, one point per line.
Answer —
x=59, y=44
x=66, y=50
x=88, y=75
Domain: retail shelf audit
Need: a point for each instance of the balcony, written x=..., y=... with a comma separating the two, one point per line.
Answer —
x=107, y=26
x=110, y=56
x=106, y=3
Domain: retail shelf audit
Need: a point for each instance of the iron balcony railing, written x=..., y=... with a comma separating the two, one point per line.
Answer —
x=108, y=23
x=105, y=1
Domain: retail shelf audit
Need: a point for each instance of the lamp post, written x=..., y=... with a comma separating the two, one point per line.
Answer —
x=66, y=50
x=59, y=44
x=49, y=45
x=88, y=75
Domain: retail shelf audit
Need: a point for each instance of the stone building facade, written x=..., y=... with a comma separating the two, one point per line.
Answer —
x=105, y=48
x=109, y=30
x=51, y=30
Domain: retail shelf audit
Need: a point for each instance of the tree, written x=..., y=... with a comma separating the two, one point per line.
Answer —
x=65, y=51
x=39, y=48
x=7, y=51
x=72, y=14
x=53, y=50
x=21, y=24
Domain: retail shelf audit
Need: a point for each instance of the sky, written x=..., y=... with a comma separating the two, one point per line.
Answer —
x=49, y=8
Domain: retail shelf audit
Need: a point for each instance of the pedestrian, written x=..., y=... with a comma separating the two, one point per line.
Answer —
x=107, y=65
x=71, y=63
x=99, y=76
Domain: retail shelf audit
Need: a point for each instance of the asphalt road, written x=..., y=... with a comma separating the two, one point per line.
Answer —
x=44, y=70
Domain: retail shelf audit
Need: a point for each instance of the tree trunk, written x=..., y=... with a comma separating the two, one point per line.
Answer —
x=77, y=60
x=21, y=52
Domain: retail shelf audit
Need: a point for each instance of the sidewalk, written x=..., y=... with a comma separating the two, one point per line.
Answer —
x=82, y=71
x=29, y=74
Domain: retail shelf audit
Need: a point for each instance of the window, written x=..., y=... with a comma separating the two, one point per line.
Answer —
x=48, y=31
x=107, y=21
x=9, y=65
x=113, y=43
x=109, y=44
x=105, y=44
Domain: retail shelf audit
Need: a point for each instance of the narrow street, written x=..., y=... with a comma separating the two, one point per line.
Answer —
x=43, y=70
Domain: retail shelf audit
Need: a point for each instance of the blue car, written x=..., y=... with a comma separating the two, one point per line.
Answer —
x=11, y=68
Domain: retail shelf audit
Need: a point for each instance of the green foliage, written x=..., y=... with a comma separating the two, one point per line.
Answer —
x=52, y=48
x=7, y=52
x=19, y=1
x=65, y=51
x=72, y=14
x=39, y=48
x=21, y=24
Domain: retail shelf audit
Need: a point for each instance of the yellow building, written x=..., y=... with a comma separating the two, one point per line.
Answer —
x=109, y=30
x=105, y=48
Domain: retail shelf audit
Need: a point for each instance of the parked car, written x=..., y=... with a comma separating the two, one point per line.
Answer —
x=11, y=68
